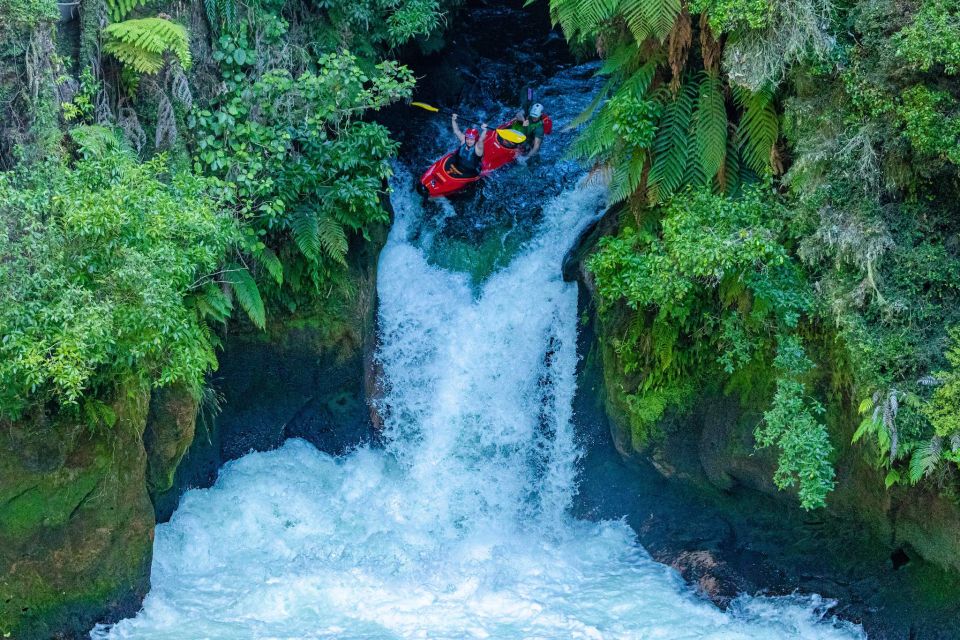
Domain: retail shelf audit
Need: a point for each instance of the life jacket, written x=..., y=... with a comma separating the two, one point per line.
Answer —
x=467, y=159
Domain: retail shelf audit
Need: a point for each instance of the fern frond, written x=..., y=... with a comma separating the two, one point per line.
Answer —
x=640, y=80
x=248, y=294
x=212, y=303
x=333, y=239
x=141, y=44
x=672, y=144
x=120, y=8
x=581, y=18
x=627, y=176
x=759, y=127
x=925, y=459
x=587, y=113
x=623, y=58
x=657, y=15
x=597, y=139
x=635, y=15
x=269, y=260
x=305, y=229
x=710, y=126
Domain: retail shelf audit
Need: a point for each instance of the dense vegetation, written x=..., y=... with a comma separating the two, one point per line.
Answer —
x=789, y=172
x=174, y=163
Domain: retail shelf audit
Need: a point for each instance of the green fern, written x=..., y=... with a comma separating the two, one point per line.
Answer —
x=118, y=9
x=248, y=294
x=627, y=176
x=142, y=44
x=305, y=229
x=269, y=261
x=710, y=126
x=659, y=14
x=212, y=303
x=333, y=239
x=672, y=144
x=759, y=127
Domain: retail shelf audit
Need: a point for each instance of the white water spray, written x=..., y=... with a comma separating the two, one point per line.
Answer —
x=458, y=527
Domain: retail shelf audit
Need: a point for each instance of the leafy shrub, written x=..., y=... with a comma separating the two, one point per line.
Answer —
x=101, y=262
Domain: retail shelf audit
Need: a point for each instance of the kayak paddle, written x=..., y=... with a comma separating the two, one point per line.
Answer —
x=510, y=135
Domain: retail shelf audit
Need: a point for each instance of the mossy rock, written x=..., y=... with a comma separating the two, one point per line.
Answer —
x=76, y=524
x=171, y=425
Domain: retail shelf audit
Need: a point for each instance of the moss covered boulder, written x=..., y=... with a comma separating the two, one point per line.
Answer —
x=76, y=523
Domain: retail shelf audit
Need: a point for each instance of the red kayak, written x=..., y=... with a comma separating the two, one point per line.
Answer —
x=439, y=181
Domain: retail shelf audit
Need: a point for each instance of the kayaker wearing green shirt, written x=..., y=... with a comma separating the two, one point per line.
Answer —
x=530, y=125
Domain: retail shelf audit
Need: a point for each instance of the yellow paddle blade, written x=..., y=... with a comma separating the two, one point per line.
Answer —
x=511, y=135
x=424, y=105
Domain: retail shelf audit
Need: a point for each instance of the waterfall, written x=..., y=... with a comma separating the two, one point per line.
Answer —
x=458, y=525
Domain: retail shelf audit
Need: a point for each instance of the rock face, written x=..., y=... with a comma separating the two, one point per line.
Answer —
x=76, y=523
x=701, y=498
x=169, y=433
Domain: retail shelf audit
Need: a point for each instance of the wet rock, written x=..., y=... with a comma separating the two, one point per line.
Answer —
x=171, y=424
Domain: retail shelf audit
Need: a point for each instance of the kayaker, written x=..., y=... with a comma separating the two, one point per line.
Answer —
x=468, y=159
x=530, y=124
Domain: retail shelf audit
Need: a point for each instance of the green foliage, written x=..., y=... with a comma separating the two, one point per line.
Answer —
x=119, y=9
x=81, y=108
x=931, y=120
x=16, y=15
x=734, y=15
x=932, y=39
x=102, y=260
x=716, y=293
x=143, y=44
x=298, y=161
x=792, y=424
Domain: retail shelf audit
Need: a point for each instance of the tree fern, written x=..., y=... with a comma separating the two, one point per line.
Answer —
x=759, y=127
x=248, y=294
x=710, y=126
x=142, y=44
x=305, y=229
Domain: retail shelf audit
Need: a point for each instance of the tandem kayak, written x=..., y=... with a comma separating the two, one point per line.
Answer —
x=439, y=180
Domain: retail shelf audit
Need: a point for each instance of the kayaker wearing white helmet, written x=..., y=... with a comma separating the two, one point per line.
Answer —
x=530, y=124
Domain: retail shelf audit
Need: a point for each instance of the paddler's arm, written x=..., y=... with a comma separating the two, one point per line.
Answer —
x=456, y=129
x=536, y=147
x=479, y=145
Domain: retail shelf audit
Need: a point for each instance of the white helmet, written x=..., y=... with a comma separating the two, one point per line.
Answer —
x=536, y=110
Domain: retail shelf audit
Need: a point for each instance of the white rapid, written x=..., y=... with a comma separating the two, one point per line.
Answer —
x=458, y=527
